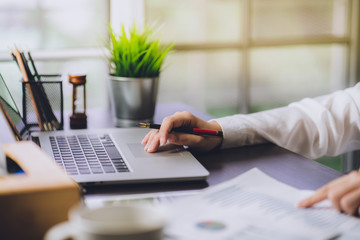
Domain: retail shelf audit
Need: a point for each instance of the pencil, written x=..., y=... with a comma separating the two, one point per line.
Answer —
x=196, y=131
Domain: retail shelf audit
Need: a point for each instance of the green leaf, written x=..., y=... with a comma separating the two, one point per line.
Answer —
x=136, y=54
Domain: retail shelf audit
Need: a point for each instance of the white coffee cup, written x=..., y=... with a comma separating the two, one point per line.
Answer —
x=130, y=222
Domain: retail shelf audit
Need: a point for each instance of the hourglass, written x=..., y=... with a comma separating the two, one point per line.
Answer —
x=78, y=119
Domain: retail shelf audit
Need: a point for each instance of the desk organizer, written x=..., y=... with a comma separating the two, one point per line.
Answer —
x=53, y=89
x=34, y=201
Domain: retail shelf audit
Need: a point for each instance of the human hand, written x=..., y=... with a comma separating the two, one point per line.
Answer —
x=344, y=194
x=155, y=137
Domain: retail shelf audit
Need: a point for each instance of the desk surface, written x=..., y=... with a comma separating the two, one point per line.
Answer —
x=223, y=165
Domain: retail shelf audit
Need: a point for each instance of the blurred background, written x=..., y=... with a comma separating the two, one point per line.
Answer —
x=231, y=56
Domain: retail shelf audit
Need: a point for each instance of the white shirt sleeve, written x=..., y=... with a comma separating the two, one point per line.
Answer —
x=326, y=125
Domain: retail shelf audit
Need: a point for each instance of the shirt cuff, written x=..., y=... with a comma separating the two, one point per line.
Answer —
x=236, y=132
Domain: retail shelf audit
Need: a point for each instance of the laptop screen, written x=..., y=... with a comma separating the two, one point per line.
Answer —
x=10, y=111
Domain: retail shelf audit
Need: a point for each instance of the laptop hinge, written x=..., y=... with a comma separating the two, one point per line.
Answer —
x=35, y=140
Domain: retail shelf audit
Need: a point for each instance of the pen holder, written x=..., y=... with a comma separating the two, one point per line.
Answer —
x=47, y=93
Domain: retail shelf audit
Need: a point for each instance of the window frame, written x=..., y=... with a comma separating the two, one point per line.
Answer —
x=351, y=40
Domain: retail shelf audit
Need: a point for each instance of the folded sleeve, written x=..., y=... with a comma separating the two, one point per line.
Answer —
x=313, y=127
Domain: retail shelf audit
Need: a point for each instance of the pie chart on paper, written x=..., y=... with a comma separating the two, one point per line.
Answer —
x=211, y=225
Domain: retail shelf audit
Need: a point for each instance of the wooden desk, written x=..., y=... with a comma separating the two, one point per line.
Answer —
x=223, y=165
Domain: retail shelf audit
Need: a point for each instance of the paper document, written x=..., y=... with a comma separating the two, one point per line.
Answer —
x=254, y=206
x=159, y=198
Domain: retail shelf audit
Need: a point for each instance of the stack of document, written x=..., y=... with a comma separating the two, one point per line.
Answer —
x=256, y=206
x=251, y=206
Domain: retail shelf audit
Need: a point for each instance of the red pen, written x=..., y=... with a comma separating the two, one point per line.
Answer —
x=197, y=131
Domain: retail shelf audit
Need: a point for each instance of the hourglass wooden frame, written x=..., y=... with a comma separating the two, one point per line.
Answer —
x=78, y=120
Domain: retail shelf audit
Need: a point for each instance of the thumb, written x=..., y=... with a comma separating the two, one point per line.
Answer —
x=196, y=142
x=184, y=139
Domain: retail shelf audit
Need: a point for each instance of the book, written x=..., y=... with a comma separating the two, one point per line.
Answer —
x=32, y=93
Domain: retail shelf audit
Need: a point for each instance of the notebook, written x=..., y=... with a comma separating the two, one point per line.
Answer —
x=105, y=156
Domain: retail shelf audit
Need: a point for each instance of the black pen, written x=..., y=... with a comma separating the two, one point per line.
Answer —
x=197, y=131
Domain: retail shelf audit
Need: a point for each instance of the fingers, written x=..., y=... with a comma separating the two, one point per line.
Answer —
x=151, y=141
x=332, y=191
x=179, y=119
x=166, y=126
x=318, y=196
x=156, y=138
x=184, y=139
x=343, y=193
x=350, y=203
x=146, y=138
x=199, y=143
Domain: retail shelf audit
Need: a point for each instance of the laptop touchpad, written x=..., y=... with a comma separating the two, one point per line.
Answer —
x=137, y=149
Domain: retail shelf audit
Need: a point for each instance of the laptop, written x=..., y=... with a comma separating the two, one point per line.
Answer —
x=105, y=156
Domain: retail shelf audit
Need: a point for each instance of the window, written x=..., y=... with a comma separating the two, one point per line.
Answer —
x=63, y=37
x=239, y=56
x=252, y=55
x=235, y=55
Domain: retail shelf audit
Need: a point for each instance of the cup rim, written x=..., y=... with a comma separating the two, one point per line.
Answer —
x=156, y=219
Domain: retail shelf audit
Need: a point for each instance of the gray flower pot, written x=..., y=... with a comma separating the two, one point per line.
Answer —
x=133, y=99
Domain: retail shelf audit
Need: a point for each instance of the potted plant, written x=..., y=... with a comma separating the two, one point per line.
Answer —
x=136, y=60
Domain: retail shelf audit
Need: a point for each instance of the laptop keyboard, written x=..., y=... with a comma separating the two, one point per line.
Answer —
x=87, y=154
